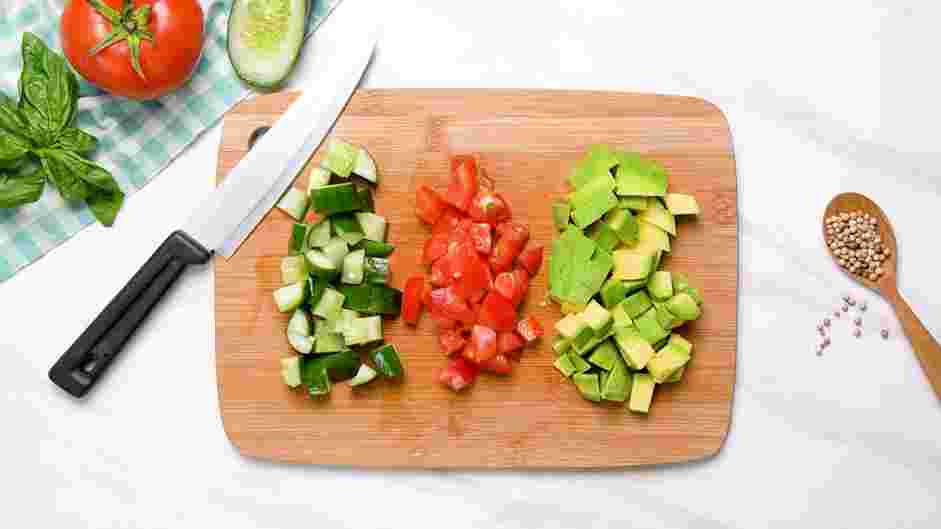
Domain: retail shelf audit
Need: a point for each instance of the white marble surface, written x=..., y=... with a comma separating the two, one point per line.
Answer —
x=822, y=97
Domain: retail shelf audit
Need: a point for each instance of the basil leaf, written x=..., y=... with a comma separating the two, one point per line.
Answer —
x=105, y=205
x=10, y=118
x=73, y=139
x=46, y=89
x=12, y=147
x=63, y=175
x=16, y=190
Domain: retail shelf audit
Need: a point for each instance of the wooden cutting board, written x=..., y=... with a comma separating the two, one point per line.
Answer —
x=527, y=141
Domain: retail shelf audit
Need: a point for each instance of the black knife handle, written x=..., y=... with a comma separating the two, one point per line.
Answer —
x=81, y=366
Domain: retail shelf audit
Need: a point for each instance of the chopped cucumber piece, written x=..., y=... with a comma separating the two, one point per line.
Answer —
x=387, y=361
x=330, y=305
x=364, y=196
x=302, y=344
x=336, y=249
x=341, y=158
x=364, y=375
x=294, y=203
x=315, y=289
x=314, y=376
x=319, y=234
x=341, y=366
x=298, y=241
x=374, y=226
x=290, y=297
x=377, y=270
x=293, y=269
x=339, y=326
x=337, y=198
x=291, y=371
x=300, y=323
x=330, y=342
x=375, y=248
x=347, y=228
x=365, y=167
x=319, y=177
x=353, y=265
x=372, y=299
x=320, y=265
x=265, y=39
x=363, y=330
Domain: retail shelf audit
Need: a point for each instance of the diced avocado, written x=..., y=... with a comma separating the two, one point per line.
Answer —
x=571, y=308
x=660, y=344
x=564, y=365
x=575, y=267
x=680, y=282
x=597, y=317
x=658, y=215
x=624, y=225
x=617, y=385
x=679, y=204
x=634, y=203
x=660, y=285
x=637, y=304
x=588, y=385
x=630, y=265
x=605, y=355
x=639, y=177
x=561, y=345
x=591, y=201
x=584, y=335
x=684, y=306
x=634, y=285
x=579, y=363
x=635, y=351
x=651, y=238
x=613, y=292
x=560, y=214
x=665, y=318
x=597, y=161
x=642, y=393
x=649, y=327
x=656, y=261
x=695, y=294
x=568, y=326
x=676, y=376
x=621, y=319
x=604, y=236
x=594, y=342
x=291, y=371
x=678, y=341
x=666, y=362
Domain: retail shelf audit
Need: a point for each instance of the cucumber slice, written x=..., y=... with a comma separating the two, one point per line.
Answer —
x=298, y=241
x=341, y=158
x=290, y=297
x=302, y=344
x=321, y=265
x=373, y=226
x=337, y=198
x=336, y=249
x=375, y=249
x=353, y=265
x=372, y=299
x=293, y=269
x=330, y=305
x=365, y=375
x=340, y=325
x=318, y=178
x=265, y=39
x=364, y=196
x=330, y=342
x=291, y=371
x=376, y=270
x=299, y=323
x=315, y=289
x=319, y=235
x=294, y=203
x=347, y=228
x=365, y=167
x=387, y=361
x=363, y=330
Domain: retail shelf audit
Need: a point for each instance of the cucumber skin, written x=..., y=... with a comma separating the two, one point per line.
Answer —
x=274, y=85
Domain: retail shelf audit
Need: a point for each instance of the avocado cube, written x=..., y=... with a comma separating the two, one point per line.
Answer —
x=560, y=214
x=649, y=327
x=579, y=363
x=634, y=203
x=613, y=292
x=604, y=236
x=571, y=308
x=680, y=282
x=676, y=376
x=594, y=342
x=634, y=285
x=641, y=393
x=621, y=319
x=597, y=317
x=666, y=362
x=576, y=329
x=588, y=385
x=592, y=200
x=561, y=345
x=665, y=318
x=635, y=351
x=695, y=294
x=658, y=215
x=624, y=225
x=680, y=204
x=660, y=344
x=564, y=365
x=598, y=160
x=682, y=343
x=660, y=285
x=650, y=237
x=630, y=265
x=683, y=306
x=639, y=177
x=636, y=304
x=617, y=385
x=605, y=356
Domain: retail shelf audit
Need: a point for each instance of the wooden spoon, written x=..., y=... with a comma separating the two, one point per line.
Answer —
x=925, y=346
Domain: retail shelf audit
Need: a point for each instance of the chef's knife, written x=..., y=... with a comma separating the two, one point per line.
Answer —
x=225, y=218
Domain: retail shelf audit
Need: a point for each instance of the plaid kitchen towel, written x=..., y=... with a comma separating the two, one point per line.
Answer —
x=136, y=139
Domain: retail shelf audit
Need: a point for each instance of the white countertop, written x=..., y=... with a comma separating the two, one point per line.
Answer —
x=823, y=97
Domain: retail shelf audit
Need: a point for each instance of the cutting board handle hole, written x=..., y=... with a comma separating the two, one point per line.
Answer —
x=256, y=135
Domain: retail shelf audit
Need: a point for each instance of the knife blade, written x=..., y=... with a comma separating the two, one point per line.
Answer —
x=224, y=218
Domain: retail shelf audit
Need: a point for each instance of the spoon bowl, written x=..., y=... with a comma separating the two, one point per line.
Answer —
x=924, y=345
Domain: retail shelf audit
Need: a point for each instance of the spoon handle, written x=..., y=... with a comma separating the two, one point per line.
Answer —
x=925, y=346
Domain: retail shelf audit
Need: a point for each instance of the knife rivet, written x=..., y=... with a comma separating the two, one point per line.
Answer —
x=256, y=135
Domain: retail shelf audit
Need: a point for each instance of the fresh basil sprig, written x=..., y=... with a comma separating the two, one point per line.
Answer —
x=38, y=142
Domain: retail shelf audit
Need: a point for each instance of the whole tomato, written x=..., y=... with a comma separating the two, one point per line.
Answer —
x=141, y=49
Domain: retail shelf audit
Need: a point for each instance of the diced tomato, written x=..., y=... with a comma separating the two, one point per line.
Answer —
x=443, y=322
x=475, y=276
x=531, y=259
x=458, y=374
x=481, y=237
x=463, y=185
x=446, y=223
x=530, y=328
x=485, y=342
x=440, y=276
x=412, y=299
x=428, y=204
x=434, y=248
x=499, y=365
x=489, y=207
x=508, y=246
x=512, y=285
x=448, y=303
x=497, y=313
x=510, y=344
x=451, y=341
x=461, y=231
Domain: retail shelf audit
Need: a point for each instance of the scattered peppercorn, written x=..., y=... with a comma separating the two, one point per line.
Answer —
x=826, y=322
x=858, y=321
x=857, y=332
x=885, y=334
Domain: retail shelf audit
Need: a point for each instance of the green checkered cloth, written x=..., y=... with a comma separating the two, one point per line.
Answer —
x=136, y=139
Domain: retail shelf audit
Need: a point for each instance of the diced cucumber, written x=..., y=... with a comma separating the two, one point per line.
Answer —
x=315, y=289
x=299, y=323
x=330, y=305
x=365, y=200
x=265, y=39
x=341, y=158
x=353, y=265
x=293, y=269
x=365, y=167
x=387, y=361
x=319, y=177
x=375, y=249
x=374, y=226
x=347, y=227
x=372, y=299
x=302, y=344
x=298, y=241
x=330, y=342
x=364, y=375
x=290, y=297
x=336, y=198
x=340, y=325
x=320, y=265
x=291, y=371
x=377, y=270
x=319, y=234
x=341, y=366
x=294, y=203
x=314, y=376
x=336, y=249
x=363, y=330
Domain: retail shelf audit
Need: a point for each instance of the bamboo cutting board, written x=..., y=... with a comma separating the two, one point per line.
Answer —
x=527, y=141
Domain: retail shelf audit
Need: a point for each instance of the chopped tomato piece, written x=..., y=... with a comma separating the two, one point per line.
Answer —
x=451, y=341
x=497, y=313
x=434, y=249
x=508, y=246
x=512, y=285
x=485, y=342
x=531, y=259
x=440, y=275
x=463, y=185
x=428, y=204
x=499, y=365
x=461, y=231
x=443, y=322
x=447, y=302
x=530, y=328
x=475, y=274
x=412, y=299
x=458, y=374
x=510, y=344
x=447, y=222
x=481, y=237
x=489, y=207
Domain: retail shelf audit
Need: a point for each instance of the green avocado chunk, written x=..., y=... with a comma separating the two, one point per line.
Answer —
x=634, y=349
x=630, y=265
x=605, y=356
x=639, y=177
x=560, y=214
x=588, y=385
x=658, y=215
x=592, y=200
x=564, y=365
x=683, y=306
x=617, y=385
x=624, y=225
x=579, y=363
x=597, y=317
x=666, y=362
x=660, y=285
x=604, y=236
x=637, y=304
x=599, y=160
x=642, y=393
x=634, y=203
x=680, y=204
x=613, y=292
x=649, y=327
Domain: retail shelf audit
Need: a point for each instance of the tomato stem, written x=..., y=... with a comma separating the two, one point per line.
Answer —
x=129, y=24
